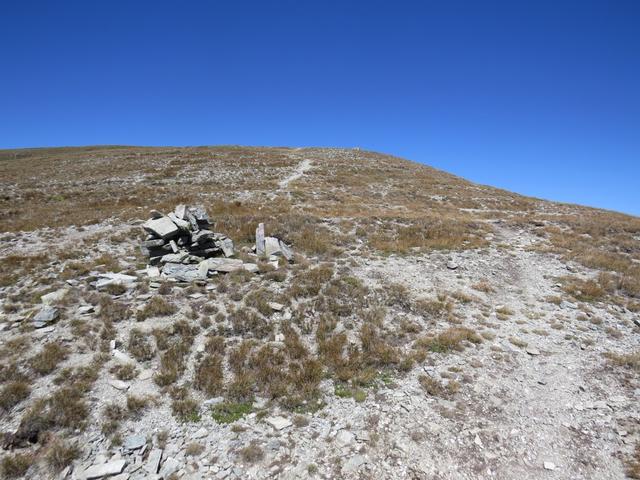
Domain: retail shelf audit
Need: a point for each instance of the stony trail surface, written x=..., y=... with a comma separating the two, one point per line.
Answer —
x=299, y=171
x=550, y=414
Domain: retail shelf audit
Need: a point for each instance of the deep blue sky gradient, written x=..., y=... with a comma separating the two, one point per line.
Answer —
x=539, y=97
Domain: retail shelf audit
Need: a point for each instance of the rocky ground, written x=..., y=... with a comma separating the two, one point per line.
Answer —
x=506, y=354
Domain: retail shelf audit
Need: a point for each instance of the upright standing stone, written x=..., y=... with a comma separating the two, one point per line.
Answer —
x=180, y=211
x=260, y=239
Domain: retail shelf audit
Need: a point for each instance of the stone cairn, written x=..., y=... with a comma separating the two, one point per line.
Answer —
x=182, y=245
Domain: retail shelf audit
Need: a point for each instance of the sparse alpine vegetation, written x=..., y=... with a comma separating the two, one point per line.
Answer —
x=415, y=311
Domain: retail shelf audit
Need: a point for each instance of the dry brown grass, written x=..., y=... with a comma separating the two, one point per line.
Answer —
x=156, y=307
x=139, y=345
x=252, y=453
x=583, y=290
x=209, y=375
x=452, y=339
x=13, y=393
x=627, y=360
x=437, y=388
x=60, y=454
x=16, y=465
x=47, y=360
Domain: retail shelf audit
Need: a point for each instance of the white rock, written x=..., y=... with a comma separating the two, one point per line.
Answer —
x=354, y=463
x=278, y=422
x=277, y=307
x=54, y=297
x=85, y=309
x=203, y=432
x=119, y=385
x=549, y=466
x=260, y=241
x=153, y=272
x=533, y=351
x=122, y=357
x=345, y=438
x=106, y=279
x=171, y=465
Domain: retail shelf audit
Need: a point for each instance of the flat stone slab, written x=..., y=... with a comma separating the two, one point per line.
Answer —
x=47, y=314
x=184, y=273
x=250, y=267
x=105, y=469
x=153, y=461
x=224, y=265
x=134, y=442
x=161, y=227
x=106, y=279
x=171, y=465
x=279, y=423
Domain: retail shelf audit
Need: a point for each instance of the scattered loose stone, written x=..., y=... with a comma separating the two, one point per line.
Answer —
x=47, y=314
x=354, y=463
x=134, y=442
x=276, y=307
x=279, y=423
x=106, y=279
x=54, y=297
x=119, y=385
x=532, y=351
x=153, y=461
x=345, y=438
x=170, y=466
x=105, y=469
x=86, y=309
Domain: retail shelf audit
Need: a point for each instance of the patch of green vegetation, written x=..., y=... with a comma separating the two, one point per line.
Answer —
x=229, y=412
x=344, y=391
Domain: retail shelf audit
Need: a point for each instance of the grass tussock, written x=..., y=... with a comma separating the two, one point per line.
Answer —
x=156, y=307
x=452, y=339
x=60, y=454
x=630, y=361
x=436, y=388
x=13, y=393
x=16, y=465
x=47, y=360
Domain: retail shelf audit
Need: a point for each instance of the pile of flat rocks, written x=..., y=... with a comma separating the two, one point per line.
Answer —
x=182, y=246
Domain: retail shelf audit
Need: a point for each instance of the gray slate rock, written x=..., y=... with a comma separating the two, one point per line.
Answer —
x=47, y=314
x=184, y=273
x=105, y=469
x=260, y=240
x=153, y=461
x=106, y=279
x=224, y=265
x=161, y=227
x=134, y=442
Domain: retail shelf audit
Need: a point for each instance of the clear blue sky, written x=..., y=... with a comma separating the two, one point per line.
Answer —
x=539, y=97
